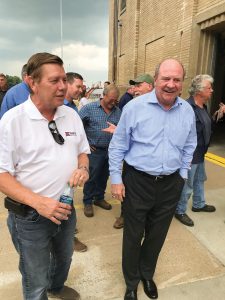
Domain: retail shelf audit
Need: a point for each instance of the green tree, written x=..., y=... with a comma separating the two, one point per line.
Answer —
x=13, y=80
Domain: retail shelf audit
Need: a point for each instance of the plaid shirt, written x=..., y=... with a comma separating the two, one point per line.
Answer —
x=95, y=119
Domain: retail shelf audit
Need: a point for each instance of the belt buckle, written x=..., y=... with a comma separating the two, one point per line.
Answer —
x=158, y=177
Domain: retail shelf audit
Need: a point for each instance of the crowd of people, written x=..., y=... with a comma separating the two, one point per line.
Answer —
x=150, y=142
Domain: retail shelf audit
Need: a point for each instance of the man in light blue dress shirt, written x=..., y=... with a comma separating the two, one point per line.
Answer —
x=156, y=138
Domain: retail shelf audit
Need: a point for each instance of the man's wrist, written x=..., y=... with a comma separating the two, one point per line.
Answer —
x=84, y=168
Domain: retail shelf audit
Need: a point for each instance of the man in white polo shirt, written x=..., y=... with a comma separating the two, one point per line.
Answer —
x=43, y=147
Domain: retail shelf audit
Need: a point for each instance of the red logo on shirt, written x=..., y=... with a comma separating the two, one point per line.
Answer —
x=68, y=133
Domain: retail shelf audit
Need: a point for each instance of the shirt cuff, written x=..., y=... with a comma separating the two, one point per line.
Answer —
x=184, y=173
x=116, y=179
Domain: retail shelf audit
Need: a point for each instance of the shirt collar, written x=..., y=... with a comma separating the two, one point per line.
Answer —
x=35, y=114
x=99, y=105
x=98, y=102
x=191, y=100
x=151, y=98
x=66, y=102
x=25, y=85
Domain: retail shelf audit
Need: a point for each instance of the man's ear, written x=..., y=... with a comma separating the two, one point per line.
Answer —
x=151, y=87
x=30, y=81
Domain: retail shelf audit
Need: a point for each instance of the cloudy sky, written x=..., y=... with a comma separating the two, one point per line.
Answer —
x=30, y=26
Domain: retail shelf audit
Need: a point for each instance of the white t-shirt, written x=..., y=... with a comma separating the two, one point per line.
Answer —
x=83, y=101
x=30, y=154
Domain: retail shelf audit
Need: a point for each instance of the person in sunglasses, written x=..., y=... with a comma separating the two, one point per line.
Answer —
x=43, y=148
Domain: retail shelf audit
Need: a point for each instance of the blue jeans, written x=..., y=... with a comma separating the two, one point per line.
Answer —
x=45, y=251
x=195, y=185
x=94, y=188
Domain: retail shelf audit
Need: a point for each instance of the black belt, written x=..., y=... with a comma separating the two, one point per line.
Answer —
x=153, y=177
x=17, y=207
x=101, y=148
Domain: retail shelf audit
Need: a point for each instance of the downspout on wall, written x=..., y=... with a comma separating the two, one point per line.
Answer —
x=115, y=42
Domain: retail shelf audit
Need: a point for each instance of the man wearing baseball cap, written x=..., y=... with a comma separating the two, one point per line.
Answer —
x=144, y=83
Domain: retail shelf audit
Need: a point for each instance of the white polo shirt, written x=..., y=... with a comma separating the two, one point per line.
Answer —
x=30, y=154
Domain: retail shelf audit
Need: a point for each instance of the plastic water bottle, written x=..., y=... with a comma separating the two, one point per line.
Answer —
x=67, y=196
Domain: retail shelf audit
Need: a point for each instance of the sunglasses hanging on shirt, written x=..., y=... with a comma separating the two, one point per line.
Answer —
x=55, y=133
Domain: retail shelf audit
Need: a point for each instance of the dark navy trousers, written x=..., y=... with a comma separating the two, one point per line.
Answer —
x=94, y=188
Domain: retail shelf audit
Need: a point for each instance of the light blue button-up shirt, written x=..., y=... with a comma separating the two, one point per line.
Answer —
x=71, y=104
x=152, y=139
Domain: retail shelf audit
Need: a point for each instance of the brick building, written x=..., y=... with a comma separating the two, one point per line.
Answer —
x=143, y=32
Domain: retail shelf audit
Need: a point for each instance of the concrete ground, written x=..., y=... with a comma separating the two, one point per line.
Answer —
x=191, y=264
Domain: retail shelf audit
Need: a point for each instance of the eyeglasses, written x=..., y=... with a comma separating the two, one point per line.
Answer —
x=55, y=133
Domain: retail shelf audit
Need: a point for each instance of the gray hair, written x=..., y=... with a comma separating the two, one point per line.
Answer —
x=129, y=87
x=24, y=71
x=109, y=88
x=198, y=83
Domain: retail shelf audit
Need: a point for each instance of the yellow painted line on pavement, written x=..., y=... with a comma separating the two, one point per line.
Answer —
x=217, y=160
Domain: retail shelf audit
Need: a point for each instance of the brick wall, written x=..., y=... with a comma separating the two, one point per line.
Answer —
x=208, y=4
x=153, y=30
